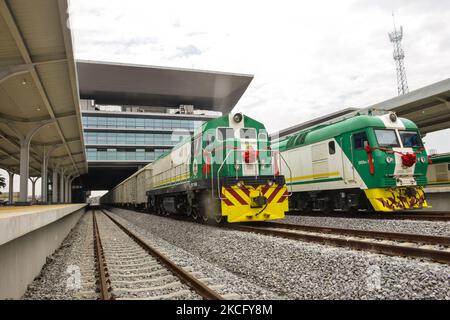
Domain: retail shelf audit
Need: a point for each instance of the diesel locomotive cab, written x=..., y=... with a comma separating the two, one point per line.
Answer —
x=398, y=162
x=366, y=162
x=239, y=166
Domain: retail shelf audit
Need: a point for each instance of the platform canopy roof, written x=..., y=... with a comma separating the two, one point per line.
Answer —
x=38, y=86
x=125, y=84
x=428, y=107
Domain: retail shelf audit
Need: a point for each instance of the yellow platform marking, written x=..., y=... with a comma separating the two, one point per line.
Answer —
x=9, y=211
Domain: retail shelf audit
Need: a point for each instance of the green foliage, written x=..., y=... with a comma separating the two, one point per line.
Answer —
x=2, y=183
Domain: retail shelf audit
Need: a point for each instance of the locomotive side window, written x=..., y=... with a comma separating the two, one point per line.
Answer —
x=331, y=147
x=225, y=133
x=359, y=139
x=387, y=138
x=411, y=139
x=197, y=145
x=249, y=133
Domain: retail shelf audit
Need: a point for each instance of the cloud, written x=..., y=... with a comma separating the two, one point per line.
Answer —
x=186, y=52
x=308, y=58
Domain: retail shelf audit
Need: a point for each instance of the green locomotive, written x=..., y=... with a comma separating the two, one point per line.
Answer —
x=370, y=162
x=225, y=170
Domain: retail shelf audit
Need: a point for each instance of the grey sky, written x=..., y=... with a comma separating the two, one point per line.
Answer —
x=309, y=58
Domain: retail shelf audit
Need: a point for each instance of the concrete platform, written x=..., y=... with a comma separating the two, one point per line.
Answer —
x=28, y=235
x=438, y=198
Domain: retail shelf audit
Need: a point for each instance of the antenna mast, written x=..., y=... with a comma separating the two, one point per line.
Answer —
x=399, y=55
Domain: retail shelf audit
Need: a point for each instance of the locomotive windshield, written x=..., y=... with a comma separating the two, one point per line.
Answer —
x=387, y=138
x=411, y=139
x=249, y=133
x=225, y=133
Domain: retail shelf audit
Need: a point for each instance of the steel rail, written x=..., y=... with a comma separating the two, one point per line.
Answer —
x=381, y=235
x=198, y=286
x=101, y=263
x=387, y=249
x=422, y=216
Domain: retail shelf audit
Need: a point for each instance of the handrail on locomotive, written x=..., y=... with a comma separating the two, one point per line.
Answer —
x=272, y=152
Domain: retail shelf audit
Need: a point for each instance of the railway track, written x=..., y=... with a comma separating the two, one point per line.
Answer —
x=433, y=248
x=419, y=215
x=128, y=268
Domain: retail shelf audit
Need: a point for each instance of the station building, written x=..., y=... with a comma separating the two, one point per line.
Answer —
x=131, y=114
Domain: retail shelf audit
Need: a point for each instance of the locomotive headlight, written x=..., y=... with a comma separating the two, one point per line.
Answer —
x=423, y=160
x=240, y=184
x=389, y=159
x=393, y=117
x=237, y=117
x=270, y=183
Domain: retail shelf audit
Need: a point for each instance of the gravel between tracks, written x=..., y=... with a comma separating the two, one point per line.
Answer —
x=69, y=272
x=299, y=270
x=437, y=228
x=224, y=282
x=77, y=252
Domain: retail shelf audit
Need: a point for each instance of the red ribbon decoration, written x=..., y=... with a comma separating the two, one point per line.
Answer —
x=250, y=155
x=408, y=159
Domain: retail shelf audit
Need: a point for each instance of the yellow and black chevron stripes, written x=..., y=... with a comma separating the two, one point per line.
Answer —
x=238, y=203
x=234, y=196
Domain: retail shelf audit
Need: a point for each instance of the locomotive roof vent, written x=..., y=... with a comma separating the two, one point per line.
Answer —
x=393, y=117
x=238, y=117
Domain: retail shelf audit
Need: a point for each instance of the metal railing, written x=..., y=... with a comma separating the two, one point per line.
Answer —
x=272, y=152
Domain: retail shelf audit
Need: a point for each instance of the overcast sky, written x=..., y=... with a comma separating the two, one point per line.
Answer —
x=309, y=58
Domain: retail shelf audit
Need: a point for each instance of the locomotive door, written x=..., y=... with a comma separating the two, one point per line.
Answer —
x=345, y=159
x=359, y=154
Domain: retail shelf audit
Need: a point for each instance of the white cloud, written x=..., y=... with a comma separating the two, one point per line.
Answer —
x=308, y=58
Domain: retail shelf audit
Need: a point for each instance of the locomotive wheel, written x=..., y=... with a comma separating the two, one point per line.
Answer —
x=159, y=210
x=219, y=219
x=205, y=217
x=194, y=213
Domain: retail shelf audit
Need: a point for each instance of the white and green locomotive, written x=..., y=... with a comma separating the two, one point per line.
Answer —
x=370, y=162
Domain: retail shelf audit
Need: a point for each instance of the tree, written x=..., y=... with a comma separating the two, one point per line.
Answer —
x=2, y=183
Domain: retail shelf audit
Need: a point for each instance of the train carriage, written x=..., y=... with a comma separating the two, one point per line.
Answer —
x=439, y=171
x=368, y=162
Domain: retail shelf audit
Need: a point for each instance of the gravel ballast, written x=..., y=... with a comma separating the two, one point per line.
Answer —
x=69, y=273
x=300, y=270
x=437, y=228
x=77, y=253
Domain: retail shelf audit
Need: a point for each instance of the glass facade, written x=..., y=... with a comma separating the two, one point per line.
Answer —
x=109, y=141
x=140, y=123
x=113, y=154
x=126, y=138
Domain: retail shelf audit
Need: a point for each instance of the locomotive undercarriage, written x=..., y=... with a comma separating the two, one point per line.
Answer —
x=196, y=200
x=347, y=200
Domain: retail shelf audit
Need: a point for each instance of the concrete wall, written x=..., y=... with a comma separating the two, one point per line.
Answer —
x=22, y=259
x=439, y=199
